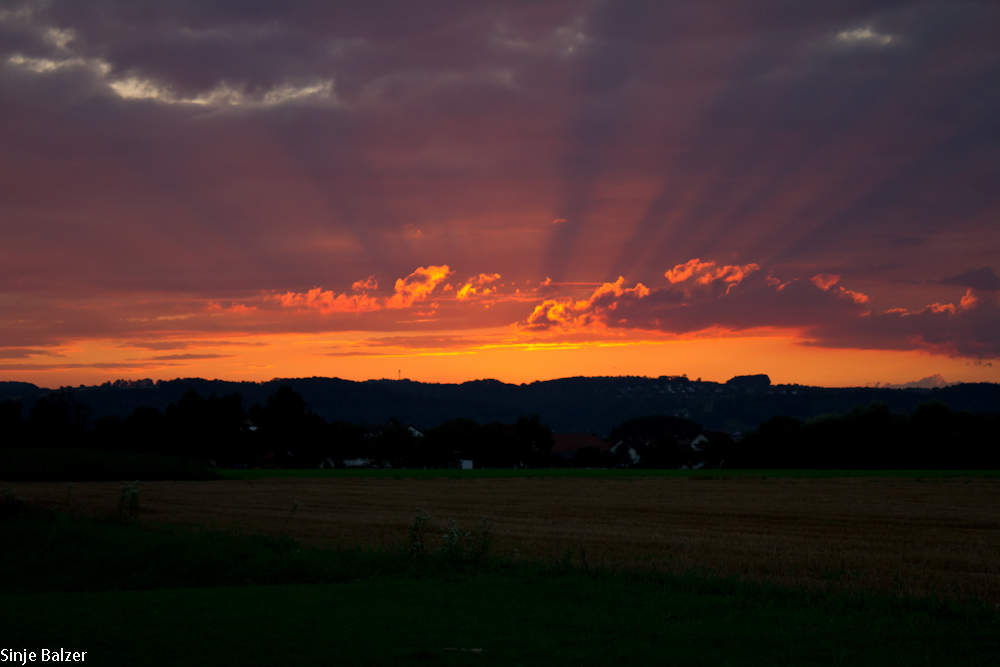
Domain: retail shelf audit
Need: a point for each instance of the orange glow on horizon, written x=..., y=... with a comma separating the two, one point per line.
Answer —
x=493, y=354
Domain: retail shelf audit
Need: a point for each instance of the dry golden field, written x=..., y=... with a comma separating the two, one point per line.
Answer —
x=906, y=536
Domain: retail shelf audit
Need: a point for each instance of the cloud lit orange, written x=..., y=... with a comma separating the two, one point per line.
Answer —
x=417, y=286
x=328, y=302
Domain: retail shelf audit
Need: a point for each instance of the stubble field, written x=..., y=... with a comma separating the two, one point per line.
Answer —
x=909, y=537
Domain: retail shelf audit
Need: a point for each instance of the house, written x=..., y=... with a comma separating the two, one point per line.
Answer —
x=632, y=454
x=269, y=460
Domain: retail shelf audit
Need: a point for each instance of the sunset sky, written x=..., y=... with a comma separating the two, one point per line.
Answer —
x=447, y=191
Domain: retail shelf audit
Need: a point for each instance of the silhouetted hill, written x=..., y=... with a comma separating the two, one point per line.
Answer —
x=21, y=391
x=585, y=404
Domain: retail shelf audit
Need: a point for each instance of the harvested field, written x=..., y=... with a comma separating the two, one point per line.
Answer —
x=905, y=536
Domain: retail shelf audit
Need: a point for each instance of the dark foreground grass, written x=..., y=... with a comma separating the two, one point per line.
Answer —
x=511, y=618
x=488, y=473
x=188, y=603
x=94, y=465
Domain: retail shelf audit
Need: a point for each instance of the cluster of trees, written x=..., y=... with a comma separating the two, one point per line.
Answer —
x=874, y=437
x=283, y=432
x=527, y=442
x=190, y=428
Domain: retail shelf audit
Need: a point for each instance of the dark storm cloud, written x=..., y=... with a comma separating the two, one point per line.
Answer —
x=179, y=151
x=22, y=353
x=983, y=279
x=188, y=357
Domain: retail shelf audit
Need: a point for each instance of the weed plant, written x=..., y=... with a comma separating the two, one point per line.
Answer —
x=128, y=502
x=418, y=527
x=468, y=546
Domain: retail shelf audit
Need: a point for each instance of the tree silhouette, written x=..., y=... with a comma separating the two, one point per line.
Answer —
x=58, y=420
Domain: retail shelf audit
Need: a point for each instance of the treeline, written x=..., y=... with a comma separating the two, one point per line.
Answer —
x=872, y=437
x=283, y=432
x=875, y=438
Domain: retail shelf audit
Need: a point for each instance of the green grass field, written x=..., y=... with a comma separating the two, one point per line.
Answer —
x=481, y=473
x=557, y=619
x=129, y=595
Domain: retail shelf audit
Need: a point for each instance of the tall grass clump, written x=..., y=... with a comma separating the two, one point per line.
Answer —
x=468, y=546
x=417, y=529
x=128, y=502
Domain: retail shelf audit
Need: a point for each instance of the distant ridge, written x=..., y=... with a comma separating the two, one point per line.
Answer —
x=574, y=404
